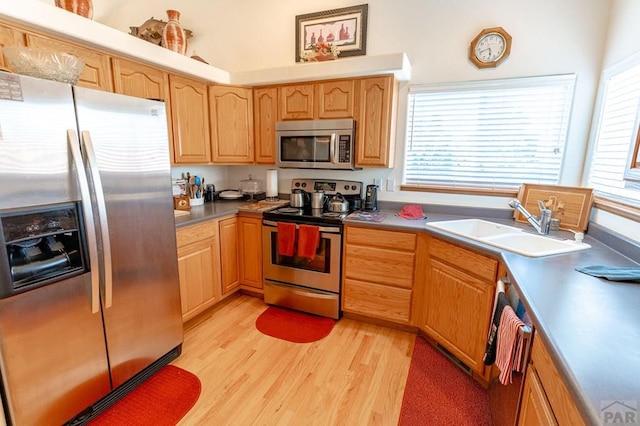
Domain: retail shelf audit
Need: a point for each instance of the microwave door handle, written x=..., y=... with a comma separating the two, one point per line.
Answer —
x=76, y=155
x=333, y=149
x=102, y=214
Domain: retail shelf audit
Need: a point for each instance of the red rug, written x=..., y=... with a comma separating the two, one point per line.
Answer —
x=439, y=393
x=293, y=326
x=162, y=400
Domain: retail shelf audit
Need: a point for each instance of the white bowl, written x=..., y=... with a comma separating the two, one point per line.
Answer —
x=196, y=201
x=43, y=63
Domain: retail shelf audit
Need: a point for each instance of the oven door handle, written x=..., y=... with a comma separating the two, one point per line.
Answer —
x=327, y=229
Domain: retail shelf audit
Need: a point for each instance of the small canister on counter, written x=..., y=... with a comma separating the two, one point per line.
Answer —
x=209, y=193
x=554, y=225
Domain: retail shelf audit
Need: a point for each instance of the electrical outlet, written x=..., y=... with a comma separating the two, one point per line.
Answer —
x=378, y=182
x=391, y=185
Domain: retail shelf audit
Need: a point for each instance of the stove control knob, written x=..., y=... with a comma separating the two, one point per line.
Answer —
x=353, y=187
x=297, y=184
x=304, y=184
x=346, y=187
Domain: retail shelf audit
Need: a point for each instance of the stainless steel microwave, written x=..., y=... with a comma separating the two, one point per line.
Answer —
x=316, y=144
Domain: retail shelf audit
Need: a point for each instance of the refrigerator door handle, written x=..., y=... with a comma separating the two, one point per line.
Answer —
x=92, y=243
x=87, y=144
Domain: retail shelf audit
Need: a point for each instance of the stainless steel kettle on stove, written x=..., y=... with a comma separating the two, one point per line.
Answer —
x=297, y=198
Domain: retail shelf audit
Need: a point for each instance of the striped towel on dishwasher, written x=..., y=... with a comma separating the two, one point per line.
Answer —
x=509, y=342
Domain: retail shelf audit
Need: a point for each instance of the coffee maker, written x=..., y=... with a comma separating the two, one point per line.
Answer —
x=371, y=198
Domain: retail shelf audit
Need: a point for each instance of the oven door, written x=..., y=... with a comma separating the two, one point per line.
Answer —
x=321, y=273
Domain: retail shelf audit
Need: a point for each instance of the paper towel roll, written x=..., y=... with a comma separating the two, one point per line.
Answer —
x=272, y=183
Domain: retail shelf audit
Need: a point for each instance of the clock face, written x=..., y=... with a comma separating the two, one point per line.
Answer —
x=490, y=47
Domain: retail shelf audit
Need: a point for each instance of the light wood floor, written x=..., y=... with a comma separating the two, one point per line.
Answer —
x=354, y=376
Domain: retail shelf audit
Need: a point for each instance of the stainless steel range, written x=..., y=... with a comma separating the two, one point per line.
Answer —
x=303, y=246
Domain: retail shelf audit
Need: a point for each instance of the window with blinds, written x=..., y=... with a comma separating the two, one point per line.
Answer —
x=488, y=134
x=615, y=131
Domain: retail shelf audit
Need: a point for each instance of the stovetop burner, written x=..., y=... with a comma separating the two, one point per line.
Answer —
x=289, y=210
x=350, y=190
x=308, y=215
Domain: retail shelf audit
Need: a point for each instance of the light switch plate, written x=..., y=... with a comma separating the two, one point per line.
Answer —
x=391, y=185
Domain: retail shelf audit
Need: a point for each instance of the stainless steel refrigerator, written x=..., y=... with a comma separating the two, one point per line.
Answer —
x=89, y=292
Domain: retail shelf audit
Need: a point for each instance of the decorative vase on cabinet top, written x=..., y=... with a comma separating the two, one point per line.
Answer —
x=79, y=7
x=173, y=35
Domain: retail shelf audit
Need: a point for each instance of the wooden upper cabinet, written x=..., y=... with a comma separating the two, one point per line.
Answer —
x=265, y=115
x=336, y=99
x=376, y=100
x=135, y=79
x=231, y=120
x=9, y=37
x=190, y=117
x=97, y=69
x=296, y=102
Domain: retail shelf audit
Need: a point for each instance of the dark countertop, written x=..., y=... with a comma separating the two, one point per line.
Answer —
x=591, y=326
x=220, y=208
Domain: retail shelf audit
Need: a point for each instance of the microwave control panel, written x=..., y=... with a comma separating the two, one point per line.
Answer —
x=344, y=149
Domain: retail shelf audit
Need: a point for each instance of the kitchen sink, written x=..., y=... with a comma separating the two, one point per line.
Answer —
x=508, y=237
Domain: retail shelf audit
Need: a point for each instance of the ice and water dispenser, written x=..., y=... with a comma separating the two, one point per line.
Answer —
x=40, y=246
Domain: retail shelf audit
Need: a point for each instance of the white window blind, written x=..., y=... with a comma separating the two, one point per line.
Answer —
x=615, y=131
x=491, y=134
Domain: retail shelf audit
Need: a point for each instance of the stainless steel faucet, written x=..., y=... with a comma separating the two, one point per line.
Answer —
x=541, y=225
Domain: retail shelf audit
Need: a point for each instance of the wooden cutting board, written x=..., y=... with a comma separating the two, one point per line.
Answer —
x=571, y=204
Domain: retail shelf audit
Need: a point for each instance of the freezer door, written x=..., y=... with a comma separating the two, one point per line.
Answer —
x=35, y=169
x=126, y=143
x=53, y=357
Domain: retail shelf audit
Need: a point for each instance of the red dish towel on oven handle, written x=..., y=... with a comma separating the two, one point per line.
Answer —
x=308, y=240
x=286, y=238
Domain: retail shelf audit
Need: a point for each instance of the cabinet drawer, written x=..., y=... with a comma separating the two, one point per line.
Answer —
x=377, y=300
x=467, y=260
x=198, y=232
x=559, y=398
x=381, y=238
x=380, y=265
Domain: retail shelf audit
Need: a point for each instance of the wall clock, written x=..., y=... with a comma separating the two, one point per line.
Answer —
x=490, y=47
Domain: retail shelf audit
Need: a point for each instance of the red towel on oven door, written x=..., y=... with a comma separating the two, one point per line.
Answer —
x=308, y=239
x=508, y=343
x=286, y=238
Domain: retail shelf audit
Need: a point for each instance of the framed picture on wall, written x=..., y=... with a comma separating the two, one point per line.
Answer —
x=345, y=29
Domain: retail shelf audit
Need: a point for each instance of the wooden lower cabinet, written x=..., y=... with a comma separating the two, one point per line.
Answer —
x=545, y=398
x=199, y=267
x=378, y=271
x=229, y=254
x=250, y=252
x=457, y=301
x=535, y=409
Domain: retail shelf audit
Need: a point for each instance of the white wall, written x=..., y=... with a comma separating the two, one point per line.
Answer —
x=549, y=37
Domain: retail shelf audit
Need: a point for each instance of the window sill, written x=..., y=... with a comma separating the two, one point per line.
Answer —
x=495, y=192
x=618, y=208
